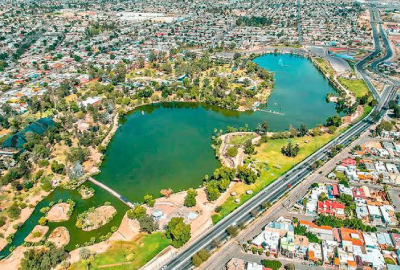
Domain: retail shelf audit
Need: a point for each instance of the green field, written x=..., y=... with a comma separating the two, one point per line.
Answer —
x=240, y=140
x=127, y=254
x=367, y=110
x=325, y=66
x=357, y=86
x=272, y=164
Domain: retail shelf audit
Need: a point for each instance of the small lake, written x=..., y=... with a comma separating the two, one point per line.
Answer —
x=169, y=145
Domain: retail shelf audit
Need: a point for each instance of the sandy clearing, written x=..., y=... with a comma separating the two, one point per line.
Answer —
x=58, y=213
x=373, y=144
x=14, y=260
x=59, y=236
x=98, y=217
x=31, y=238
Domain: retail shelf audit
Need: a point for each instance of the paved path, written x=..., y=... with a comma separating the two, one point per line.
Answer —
x=112, y=192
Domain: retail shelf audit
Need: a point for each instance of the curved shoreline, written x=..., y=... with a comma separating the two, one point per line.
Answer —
x=107, y=139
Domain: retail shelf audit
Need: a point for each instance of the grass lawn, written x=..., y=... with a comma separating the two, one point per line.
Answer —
x=272, y=164
x=358, y=86
x=367, y=110
x=130, y=254
x=240, y=140
x=325, y=66
x=389, y=261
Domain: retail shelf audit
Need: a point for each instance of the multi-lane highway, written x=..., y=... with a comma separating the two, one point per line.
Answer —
x=360, y=65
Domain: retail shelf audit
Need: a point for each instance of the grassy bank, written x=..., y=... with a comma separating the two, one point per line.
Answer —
x=127, y=254
x=272, y=164
x=357, y=86
x=324, y=66
x=359, y=89
x=240, y=140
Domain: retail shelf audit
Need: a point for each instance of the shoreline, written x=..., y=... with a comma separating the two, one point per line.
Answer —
x=115, y=124
x=24, y=216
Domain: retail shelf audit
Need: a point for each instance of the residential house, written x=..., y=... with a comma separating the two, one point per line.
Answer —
x=322, y=232
x=287, y=245
x=384, y=240
x=375, y=214
x=396, y=240
x=300, y=246
x=315, y=252
x=389, y=215
x=268, y=240
x=329, y=249
x=331, y=208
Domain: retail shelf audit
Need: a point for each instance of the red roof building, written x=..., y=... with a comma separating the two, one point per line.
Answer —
x=335, y=190
x=349, y=162
x=358, y=193
x=331, y=208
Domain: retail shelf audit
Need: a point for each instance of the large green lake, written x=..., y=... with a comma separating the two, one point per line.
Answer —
x=169, y=145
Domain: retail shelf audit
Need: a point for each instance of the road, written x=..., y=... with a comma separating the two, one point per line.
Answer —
x=360, y=65
x=299, y=27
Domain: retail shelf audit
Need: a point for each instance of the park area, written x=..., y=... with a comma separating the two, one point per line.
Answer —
x=357, y=86
x=272, y=164
x=127, y=254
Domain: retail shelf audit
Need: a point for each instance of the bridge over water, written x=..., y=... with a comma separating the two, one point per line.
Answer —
x=112, y=192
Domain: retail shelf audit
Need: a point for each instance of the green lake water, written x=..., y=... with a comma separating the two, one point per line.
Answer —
x=169, y=145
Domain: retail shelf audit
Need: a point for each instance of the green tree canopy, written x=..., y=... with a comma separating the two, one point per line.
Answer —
x=178, y=231
x=190, y=199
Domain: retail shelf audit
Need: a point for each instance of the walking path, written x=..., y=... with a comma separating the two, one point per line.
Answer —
x=112, y=192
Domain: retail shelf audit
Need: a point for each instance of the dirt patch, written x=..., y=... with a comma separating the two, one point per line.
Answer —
x=58, y=213
x=60, y=237
x=95, y=218
x=127, y=230
x=14, y=260
x=373, y=144
x=37, y=234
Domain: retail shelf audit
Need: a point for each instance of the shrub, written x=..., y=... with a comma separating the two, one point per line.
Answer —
x=2, y=221
x=36, y=234
x=14, y=211
x=232, y=230
x=273, y=264
x=232, y=151
x=42, y=221
x=137, y=212
x=44, y=210
x=190, y=199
